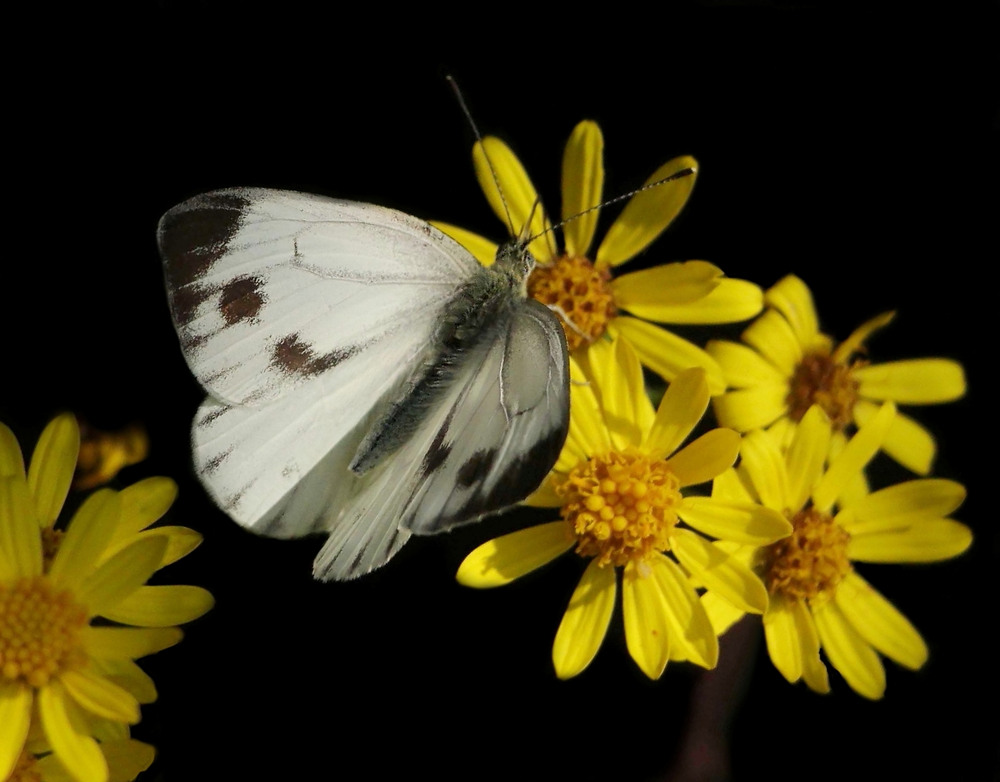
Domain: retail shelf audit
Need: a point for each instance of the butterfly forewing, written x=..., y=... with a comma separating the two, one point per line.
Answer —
x=270, y=289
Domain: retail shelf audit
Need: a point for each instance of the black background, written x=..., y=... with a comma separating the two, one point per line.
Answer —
x=856, y=150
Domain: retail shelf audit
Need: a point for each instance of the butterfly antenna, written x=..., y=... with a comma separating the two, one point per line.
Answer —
x=479, y=140
x=676, y=175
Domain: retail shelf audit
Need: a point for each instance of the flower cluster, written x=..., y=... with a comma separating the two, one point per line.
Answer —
x=779, y=534
x=76, y=612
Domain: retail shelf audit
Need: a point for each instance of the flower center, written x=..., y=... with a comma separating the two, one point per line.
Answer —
x=39, y=631
x=579, y=293
x=811, y=561
x=621, y=506
x=820, y=380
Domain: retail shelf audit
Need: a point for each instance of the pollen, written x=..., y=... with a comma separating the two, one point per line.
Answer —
x=621, y=507
x=579, y=293
x=810, y=562
x=39, y=631
x=820, y=380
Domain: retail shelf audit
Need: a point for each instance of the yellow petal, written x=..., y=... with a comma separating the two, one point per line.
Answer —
x=807, y=456
x=15, y=717
x=733, y=484
x=648, y=213
x=848, y=652
x=879, y=622
x=585, y=622
x=518, y=194
x=765, y=465
x=899, y=506
x=20, y=543
x=665, y=353
x=127, y=759
x=88, y=534
x=856, y=487
x=78, y=752
x=122, y=574
x=690, y=629
x=924, y=541
x=743, y=522
x=128, y=643
x=793, y=299
x=617, y=376
x=144, y=503
x=907, y=442
x=588, y=434
x=859, y=336
x=751, y=408
x=181, y=541
x=52, y=464
x=719, y=572
x=775, y=340
x=647, y=633
x=681, y=409
x=708, y=456
x=852, y=460
x=921, y=381
x=483, y=250
x=128, y=675
x=721, y=613
x=501, y=560
x=671, y=285
x=730, y=302
x=582, y=185
x=99, y=696
x=744, y=367
x=11, y=460
x=793, y=643
x=161, y=606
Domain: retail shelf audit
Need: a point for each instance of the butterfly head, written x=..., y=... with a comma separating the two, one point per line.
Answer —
x=514, y=259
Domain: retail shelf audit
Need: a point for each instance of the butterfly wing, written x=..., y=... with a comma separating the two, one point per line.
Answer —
x=298, y=314
x=486, y=440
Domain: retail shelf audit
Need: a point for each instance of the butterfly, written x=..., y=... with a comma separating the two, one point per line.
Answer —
x=366, y=376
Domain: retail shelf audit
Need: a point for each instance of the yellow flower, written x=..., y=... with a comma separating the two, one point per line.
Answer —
x=57, y=665
x=787, y=365
x=580, y=287
x=817, y=598
x=621, y=488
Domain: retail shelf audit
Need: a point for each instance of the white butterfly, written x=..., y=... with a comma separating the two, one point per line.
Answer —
x=366, y=375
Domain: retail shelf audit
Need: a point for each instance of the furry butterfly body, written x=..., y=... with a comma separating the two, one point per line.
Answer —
x=367, y=377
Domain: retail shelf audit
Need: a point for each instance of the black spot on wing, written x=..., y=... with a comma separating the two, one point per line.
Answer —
x=212, y=416
x=294, y=357
x=476, y=468
x=215, y=462
x=184, y=303
x=194, y=235
x=438, y=451
x=241, y=299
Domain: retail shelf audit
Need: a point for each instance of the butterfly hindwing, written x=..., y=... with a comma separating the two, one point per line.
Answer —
x=481, y=445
